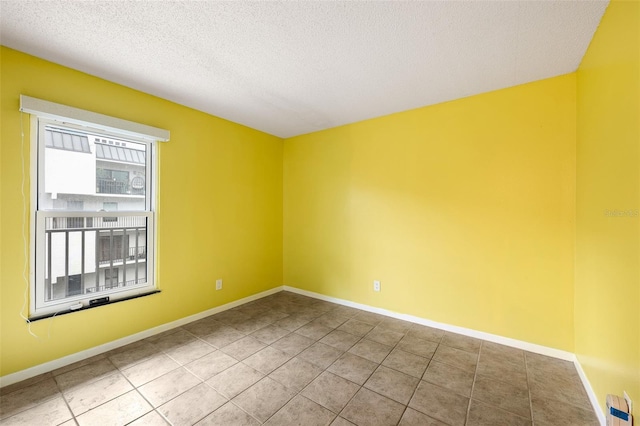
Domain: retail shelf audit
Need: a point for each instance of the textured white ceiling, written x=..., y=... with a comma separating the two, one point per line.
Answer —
x=288, y=68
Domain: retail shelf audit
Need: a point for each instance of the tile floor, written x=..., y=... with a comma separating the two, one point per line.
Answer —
x=291, y=360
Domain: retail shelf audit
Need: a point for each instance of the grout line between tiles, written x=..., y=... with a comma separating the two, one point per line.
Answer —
x=473, y=384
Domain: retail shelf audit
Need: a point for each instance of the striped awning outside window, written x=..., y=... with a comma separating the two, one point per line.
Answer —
x=118, y=153
x=55, y=138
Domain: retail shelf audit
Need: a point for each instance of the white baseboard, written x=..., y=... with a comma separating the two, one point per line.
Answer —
x=97, y=350
x=531, y=347
x=592, y=395
x=519, y=344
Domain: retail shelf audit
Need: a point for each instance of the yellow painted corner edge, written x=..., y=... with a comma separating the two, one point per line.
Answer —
x=514, y=343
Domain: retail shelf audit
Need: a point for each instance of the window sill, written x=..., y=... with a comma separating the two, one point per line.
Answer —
x=84, y=308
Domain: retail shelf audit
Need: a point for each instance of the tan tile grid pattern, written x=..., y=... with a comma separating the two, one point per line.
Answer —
x=292, y=360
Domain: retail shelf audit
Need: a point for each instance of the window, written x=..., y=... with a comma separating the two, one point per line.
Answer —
x=93, y=227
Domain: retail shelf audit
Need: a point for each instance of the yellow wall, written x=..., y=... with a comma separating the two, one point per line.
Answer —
x=220, y=212
x=465, y=211
x=608, y=248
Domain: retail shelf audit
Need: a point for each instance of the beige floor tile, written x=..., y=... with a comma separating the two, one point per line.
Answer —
x=223, y=336
x=120, y=411
x=314, y=330
x=192, y=406
x=150, y=369
x=229, y=414
x=241, y=349
x=353, y=367
x=320, y=354
x=405, y=362
x=497, y=368
x=481, y=414
x=78, y=364
x=371, y=409
x=130, y=355
x=264, y=399
x=51, y=412
x=301, y=411
x=550, y=412
x=440, y=403
x=167, y=387
x=456, y=357
x=397, y=325
x=369, y=318
x=86, y=374
x=204, y=327
x=355, y=327
x=385, y=336
x=450, y=377
x=234, y=380
x=331, y=320
x=412, y=417
x=211, y=364
x=231, y=317
x=505, y=353
x=341, y=421
x=416, y=346
x=459, y=341
x=340, y=340
x=292, y=344
x=252, y=324
x=373, y=351
x=345, y=311
x=542, y=363
x=163, y=334
x=273, y=315
x=503, y=395
x=564, y=387
x=292, y=322
x=331, y=391
x=296, y=373
x=26, y=383
x=425, y=333
x=270, y=334
x=190, y=351
x=174, y=340
x=392, y=384
x=28, y=397
x=267, y=360
x=84, y=398
x=152, y=418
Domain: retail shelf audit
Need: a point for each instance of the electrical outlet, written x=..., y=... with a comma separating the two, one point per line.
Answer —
x=376, y=285
x=629, y=402
x=218, y=284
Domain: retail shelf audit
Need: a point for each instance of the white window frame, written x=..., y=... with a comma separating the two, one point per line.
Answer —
x=48, y=113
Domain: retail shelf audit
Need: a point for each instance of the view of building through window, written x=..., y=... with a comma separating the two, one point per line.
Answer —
x=83, y=174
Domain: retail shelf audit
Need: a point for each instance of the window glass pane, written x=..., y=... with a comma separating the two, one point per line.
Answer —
x=93, y=170
x=83, y=258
